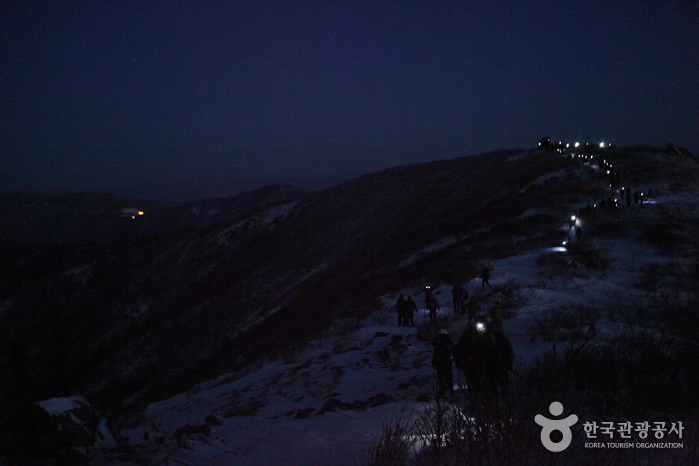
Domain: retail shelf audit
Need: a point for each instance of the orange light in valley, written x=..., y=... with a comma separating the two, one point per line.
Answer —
x=133, y=216
x=140, y=213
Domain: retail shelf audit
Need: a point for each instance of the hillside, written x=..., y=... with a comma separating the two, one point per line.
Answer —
x=30, y=219
x=127, y=324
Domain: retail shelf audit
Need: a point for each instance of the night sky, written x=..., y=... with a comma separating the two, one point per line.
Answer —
x=218, y=96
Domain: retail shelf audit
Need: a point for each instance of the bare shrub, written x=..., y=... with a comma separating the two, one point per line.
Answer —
x=685, y=273
x=560, y=264
x=458, y=434
x=651, y=274
x=666, y=236
x=554, y=264
x=636, y=376
x=249, y=408
x=427, y=330
x=679, y=313
x=510, y=297
x=630, y=308
x=590, y=255
x=392, y=443
x=565, y=324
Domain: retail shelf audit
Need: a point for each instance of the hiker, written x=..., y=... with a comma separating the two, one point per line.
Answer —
x=571, y=222
x=428, y=290
x=485, y=356
x=441, y=362
x=433, y=306
x=578, y=233
x=628, y=198
x=485, y=277
x=410, y=310
x=473, y=308
x=464, y=301
x=400, y=308
x=456, y=294
x=496, y=316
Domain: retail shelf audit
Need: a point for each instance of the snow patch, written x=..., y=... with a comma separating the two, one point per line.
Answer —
x=104, y=435
x=532, y=212
x=549, y=177
x=512, y=158
x=434, y=247
x=140, y=308
x=62, y=405
x=265, y=219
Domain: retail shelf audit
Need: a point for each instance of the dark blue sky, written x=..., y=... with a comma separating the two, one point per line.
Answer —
x=112, y=95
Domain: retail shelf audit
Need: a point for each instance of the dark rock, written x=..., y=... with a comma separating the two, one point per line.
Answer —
x=74, y=421
x=213, y=420
x=303, y=414
x=53, y=429
x=381, y=334
x=333, y=405
x=329, y=405
x=423, y=398
x=190, y=430
x=403, y=386
x=382, y=399
x=146, y=436
x=72, y=457
x=420, y=380
x=359, y=405
x=160, y=440
x=383, y=356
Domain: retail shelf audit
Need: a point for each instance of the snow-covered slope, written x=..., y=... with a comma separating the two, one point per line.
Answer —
x=323, y=404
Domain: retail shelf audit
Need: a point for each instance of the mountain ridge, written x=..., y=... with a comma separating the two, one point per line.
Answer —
x=165, y=313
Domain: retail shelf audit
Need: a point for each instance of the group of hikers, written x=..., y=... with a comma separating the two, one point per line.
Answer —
x=483, y=353
x=406, y=310
x=460, y=299
x=612, y=201
x=639, y=197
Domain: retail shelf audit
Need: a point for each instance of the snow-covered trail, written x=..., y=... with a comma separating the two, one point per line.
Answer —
x=322, y=405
